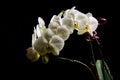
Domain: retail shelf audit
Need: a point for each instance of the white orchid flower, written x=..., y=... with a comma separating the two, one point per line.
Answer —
x=51, y=39
x=69, y=23
x=38, y=31
x=32, y=53
x=56, y=44
x=60, y=26
x=55, y=22
x=63, y=32
x=41, y=44
x=57, y=18
x=68, y=19
x=93, y=22
x=71, y=12
x=49, y=43
x=82, y=22
x=44, y=42
x=87, y=23
x=41, y=24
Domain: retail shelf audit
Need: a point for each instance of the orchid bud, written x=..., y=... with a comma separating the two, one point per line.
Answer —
x=32, y=54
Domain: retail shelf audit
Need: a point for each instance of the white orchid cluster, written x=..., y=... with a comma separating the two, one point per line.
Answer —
x=51, y=39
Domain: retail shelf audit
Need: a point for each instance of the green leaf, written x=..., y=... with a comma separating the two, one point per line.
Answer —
x=107, y=73
x=99, y=69
x=103, y=70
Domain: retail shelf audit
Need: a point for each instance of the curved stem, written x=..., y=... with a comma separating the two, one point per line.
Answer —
x=76, y=61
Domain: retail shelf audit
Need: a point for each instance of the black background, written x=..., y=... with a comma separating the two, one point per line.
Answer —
x=20, y=18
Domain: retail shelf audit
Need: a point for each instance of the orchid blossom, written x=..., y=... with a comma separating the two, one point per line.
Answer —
x=52, y=39
x=82, y=22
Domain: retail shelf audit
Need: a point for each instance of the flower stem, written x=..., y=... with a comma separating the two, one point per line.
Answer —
x=76, y=61
x=102, y=58
x=100, y=50
x=93, y=57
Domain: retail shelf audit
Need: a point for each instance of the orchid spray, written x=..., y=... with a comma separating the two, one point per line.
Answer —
x=51, y=39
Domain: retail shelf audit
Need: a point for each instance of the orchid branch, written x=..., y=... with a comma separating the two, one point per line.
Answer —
x=79, y=62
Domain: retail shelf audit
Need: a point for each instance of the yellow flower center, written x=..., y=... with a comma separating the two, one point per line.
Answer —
x=76, y=25
x=87, y=28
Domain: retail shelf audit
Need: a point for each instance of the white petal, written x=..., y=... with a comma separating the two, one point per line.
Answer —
x=48, y=34
x=41, y=21
x=40, y=45
x=71, y=12
x=93, y=23
x=63, y=32
x=57, y=44
x=56, y=19
x=53, y=26
x=52, y=19
x=68, y=22
x=35, y=33
x=34, y=36
x=38, y=31
x=60, y=14
x=33, y=39
x=89, y=14
x=81, y=31
x=81, y=18
x=41, y=25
